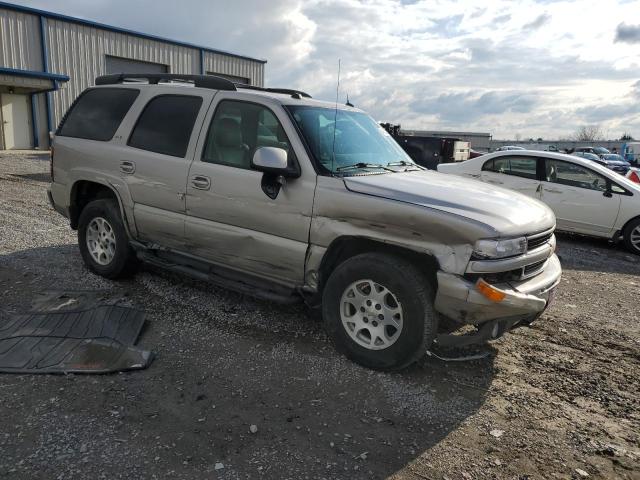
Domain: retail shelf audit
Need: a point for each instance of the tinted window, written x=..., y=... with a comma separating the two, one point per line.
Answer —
x=166, y=124
x=519, y=166
x=565, y=173
x=97, y=113
x=238, y=129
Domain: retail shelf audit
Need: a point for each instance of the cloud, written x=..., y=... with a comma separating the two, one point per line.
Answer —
x=504, y=67
x=627, y=33
x=539, y=21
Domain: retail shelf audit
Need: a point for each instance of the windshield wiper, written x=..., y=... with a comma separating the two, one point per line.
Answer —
x=404, y=163
x=363, y=165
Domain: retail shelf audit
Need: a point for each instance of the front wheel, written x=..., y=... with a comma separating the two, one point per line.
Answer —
x=378, y=309
x=631, y=236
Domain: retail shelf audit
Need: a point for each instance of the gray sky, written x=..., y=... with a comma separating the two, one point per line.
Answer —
x=533, y=68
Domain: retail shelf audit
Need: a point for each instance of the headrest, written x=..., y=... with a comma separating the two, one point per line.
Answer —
x=228, y=133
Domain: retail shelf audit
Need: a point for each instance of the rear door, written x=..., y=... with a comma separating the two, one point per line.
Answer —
x=230, y=220
x=515, y=172
x=580, y=198
x=158, y=139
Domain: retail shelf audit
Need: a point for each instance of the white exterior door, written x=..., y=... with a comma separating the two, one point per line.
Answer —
x=16, y=121
x=579, y=198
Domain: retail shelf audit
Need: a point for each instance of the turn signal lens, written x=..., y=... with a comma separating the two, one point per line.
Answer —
x=489, y=291
x=634, y=177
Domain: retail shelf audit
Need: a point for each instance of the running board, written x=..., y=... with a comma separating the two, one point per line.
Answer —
x=219, y=276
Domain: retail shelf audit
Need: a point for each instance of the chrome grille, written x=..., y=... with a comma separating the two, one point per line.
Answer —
x=536, y=241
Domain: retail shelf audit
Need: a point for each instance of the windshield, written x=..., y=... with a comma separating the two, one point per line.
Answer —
x=600, y=150
x=356, y=144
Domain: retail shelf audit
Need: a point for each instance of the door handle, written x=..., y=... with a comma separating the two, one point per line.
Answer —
x=127, y=167
x=201, y=182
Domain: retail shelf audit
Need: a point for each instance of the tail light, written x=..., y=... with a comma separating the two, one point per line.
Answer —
x=634, y=176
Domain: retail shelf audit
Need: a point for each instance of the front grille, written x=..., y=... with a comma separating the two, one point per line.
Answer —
x=534, y=267
x=537, y=241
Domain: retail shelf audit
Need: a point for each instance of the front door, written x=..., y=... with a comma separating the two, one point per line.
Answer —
x=580, y=198
x=16, y=121
x=230, y=220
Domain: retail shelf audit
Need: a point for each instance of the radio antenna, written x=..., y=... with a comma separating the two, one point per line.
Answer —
x=335, y=121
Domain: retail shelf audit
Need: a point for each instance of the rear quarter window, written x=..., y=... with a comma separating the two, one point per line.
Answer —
x=97, y=113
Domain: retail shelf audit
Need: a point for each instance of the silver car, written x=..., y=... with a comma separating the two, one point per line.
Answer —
x=279, y=196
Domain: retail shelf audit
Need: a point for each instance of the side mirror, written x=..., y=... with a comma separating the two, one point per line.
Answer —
x=274, y=163
x=271, y=160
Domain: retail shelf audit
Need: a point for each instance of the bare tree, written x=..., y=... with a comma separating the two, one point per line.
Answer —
x=518, y=137
x=588, y=133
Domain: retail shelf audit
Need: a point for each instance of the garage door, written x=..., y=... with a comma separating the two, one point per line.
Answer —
x=127, y=65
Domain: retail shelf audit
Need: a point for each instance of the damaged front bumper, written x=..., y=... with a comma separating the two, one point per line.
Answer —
x=522, y=302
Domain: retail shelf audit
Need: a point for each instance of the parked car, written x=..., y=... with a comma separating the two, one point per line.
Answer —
x=283, y=197
x=595, y=150
x=634, y=175
x=609, y=160
x=508, y=147
x=586, y=197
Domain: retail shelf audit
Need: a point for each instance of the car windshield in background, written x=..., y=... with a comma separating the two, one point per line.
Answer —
x=356, y=144
x=588, y=156
x=613, y=157
x=600, y=150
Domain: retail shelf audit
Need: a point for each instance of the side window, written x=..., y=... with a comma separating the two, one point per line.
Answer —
x=518, y=166
x=498, y=165
x=165, y=124
x=97, y=113
x=238, y=129
x=525, y=167
x=565, y=173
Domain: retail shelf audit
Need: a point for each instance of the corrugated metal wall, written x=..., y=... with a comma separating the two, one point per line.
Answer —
x=239, y=67
x=20, y=41
x=79, y=51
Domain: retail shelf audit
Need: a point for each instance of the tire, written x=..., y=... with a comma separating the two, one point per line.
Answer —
x=118, y=259
x=631, y=236
x=345, y=295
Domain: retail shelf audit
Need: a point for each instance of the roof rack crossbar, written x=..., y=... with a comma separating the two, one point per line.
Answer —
x=286, y=91
x=203, y=81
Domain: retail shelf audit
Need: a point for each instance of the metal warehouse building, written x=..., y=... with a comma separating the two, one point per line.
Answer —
x=47, y=59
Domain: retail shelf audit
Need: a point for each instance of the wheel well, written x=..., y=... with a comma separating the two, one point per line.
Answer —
x=346, y=247
x=84, y=192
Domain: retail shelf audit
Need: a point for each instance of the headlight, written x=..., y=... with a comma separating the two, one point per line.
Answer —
x=500, y=248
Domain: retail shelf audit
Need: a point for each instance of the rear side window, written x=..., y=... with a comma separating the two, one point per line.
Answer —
x=97, y=113
x=525, y=167
x=166, y=124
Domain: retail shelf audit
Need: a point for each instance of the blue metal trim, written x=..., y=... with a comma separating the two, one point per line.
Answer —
x=44, y=49
x=34, y=121
x=65, y=18
x=202, y=72
x=56, y=77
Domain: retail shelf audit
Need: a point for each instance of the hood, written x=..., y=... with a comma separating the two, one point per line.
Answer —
x=507, y=212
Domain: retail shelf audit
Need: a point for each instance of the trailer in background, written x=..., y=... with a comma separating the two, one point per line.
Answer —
x=429, y=150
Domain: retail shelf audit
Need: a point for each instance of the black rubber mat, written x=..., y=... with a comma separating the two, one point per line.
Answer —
x=98, y=339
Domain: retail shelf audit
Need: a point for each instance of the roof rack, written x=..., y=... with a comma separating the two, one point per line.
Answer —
x=204, y=81
x=287, y=91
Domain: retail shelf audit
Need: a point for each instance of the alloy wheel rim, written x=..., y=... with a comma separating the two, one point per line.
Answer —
x=101, y=241
x=371, y=314
x=635, y=237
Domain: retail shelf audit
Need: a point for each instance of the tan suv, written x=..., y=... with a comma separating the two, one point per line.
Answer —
x=279, y=196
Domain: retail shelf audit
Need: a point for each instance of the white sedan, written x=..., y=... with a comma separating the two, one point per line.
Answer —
x=587, y=198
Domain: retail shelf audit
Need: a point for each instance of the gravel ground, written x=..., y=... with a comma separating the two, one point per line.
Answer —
x=558, y=400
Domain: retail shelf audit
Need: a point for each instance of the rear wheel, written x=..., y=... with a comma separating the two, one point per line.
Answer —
x=631, y=236
x=103, y=241
x=378, y=310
